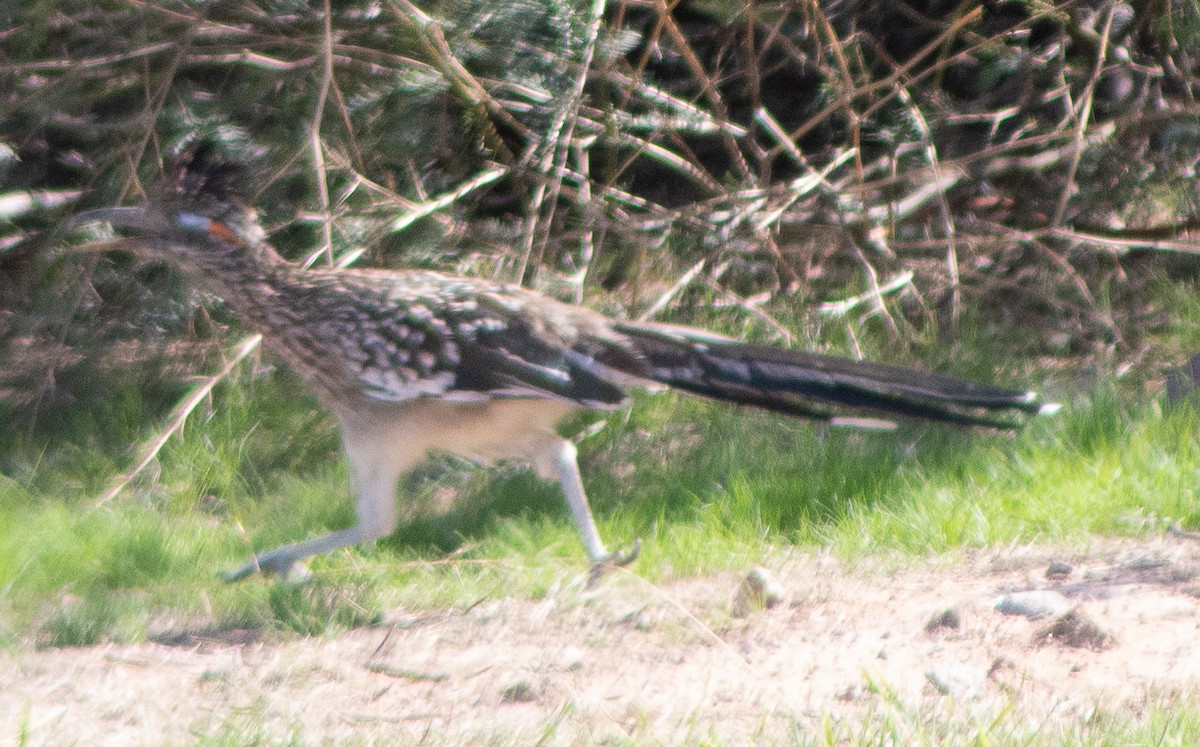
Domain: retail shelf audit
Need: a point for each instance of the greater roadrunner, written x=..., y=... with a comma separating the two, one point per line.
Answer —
x=414, y=361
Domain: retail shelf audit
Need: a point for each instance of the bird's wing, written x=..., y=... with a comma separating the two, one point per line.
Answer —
x=462, y=339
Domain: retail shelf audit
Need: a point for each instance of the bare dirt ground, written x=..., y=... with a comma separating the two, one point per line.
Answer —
x=628, y=661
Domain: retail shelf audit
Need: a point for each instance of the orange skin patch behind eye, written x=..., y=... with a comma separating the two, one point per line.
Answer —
x=222, y=232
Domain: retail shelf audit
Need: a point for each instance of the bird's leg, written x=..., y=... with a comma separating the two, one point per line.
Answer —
x=285, y=561
x=376, y=518
x=560, y=461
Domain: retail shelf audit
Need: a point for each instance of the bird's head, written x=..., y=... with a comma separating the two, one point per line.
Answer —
x=199, y=222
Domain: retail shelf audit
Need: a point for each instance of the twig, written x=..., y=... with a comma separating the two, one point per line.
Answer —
x=927, y=190
x=780, y=135
x=847, y=91
x=557, y=144
x=158, y=100
x=684, y=281
x=931, y=155
x=423, y=209
x=1085, y=114
x=706, y=83
x=179, y=416
x=781, y=331
x=846, y=305
x=314, y=134
x=461, y=79
x=697, y=118
x=412, y=675
x=889, y=82
x=876, y=292
x=1126, y=244
x=587, y=236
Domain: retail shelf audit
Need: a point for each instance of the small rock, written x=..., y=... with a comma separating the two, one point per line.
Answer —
x=947, y=619
x=957, y=680
x=758, y=591
x=1059, y=570
x=1076, y=630
x=519, y=692
x=1145, y=562
x=572, y=657
x=1000, y=664
x=1032, y=604
x=1005, y=675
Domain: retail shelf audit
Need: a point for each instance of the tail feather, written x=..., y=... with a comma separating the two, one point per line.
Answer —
x=813, y=385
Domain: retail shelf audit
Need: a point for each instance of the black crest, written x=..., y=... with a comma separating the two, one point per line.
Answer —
x=205, y=179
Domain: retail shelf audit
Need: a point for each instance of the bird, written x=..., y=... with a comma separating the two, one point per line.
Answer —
x=415, y=361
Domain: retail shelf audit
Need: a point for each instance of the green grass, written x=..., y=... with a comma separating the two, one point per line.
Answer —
x=706, y=487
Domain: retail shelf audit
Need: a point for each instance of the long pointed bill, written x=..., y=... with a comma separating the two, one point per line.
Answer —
x=137, y=218
x=151, y=223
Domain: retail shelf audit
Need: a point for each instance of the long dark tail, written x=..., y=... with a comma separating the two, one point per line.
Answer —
x=818, y=386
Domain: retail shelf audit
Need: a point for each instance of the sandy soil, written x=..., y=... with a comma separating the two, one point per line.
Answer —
x=631, y=661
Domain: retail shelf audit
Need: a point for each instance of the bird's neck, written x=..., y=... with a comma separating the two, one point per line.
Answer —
x=292, y=308
x=254, y=280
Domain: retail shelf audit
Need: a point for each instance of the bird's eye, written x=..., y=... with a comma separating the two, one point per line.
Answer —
x=216, y=230
x=192, y=222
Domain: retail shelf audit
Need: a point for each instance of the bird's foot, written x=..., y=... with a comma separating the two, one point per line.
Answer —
x=289, y=571
x=622, y=558
x=614, y=559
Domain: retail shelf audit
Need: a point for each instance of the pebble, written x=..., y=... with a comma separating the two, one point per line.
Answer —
x=758, y=590
x=1032, y=604
x=947, y=619
x=1059, y=570
x=957, y=680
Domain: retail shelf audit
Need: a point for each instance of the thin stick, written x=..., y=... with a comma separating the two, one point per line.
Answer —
x=1085, y=114
x=707, y=85
x=446, y=198
x=179, y=417
x=318, y=150
x=931, y=156
x=557, y=143
x=846, y=305
x=684, y=281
